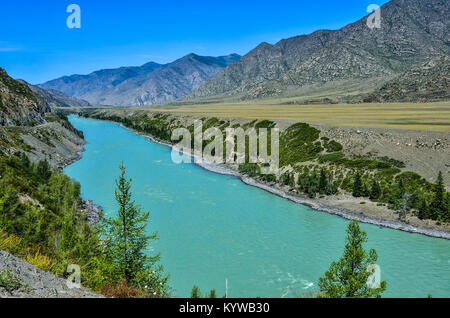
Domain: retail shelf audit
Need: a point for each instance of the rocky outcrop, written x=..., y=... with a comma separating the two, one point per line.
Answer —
x=427, y=82
x=27, y=125
x=19, y=279
x=93, y=212
x=52, y=141
x=18, y=105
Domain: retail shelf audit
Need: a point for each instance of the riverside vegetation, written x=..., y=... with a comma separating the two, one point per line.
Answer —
x=317, y=166
x=41, y=222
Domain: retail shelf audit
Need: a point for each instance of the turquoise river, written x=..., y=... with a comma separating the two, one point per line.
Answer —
x=213, y=227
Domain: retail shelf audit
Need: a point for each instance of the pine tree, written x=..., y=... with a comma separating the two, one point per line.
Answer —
x=24, y=160
x=358, y=190
x=424, y=212
x=401, y=187
x=447, y=208
x=438, y=206
x=323, y=182
x=68, y=233
x=212, y=294
x=195, y=292
x=366, y=190
x=288, y=179
x=348, y=277
x=375, y=191
x=128, y=241
x=43, y=169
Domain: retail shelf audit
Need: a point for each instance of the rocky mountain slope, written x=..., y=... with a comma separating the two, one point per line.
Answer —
x=427, y=82
x=18, y=104
x=55, y=98
x=412, y=32
x=27, y=125
x=143, y=86
x=83, y=85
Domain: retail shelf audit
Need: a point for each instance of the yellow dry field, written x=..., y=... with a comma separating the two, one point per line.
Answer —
x=414, y=116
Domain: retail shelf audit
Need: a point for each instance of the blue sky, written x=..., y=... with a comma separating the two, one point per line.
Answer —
x=36, y=45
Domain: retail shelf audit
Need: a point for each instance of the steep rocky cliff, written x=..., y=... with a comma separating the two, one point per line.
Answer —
x=18, y=105
x=27, y=125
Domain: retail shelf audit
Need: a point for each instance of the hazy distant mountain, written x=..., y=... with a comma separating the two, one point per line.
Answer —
x=149, y=84
x=82, y=85
x=412, y=32
x=427, y=82
x=55, y=98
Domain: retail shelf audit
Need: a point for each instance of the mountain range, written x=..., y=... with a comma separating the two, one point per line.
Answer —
x=146, y=85
x=412, y=32
x=350, y=63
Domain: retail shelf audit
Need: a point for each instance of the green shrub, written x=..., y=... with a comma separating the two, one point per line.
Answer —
x=334, y=157
x=9, y=281
x=333, y=146
x=298, y=144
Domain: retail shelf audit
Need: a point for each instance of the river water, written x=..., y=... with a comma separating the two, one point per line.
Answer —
x=213, y=227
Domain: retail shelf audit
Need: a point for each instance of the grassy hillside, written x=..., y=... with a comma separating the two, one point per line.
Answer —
x=40, y=218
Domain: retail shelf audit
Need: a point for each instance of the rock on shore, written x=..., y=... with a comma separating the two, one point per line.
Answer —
x=92, y=211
